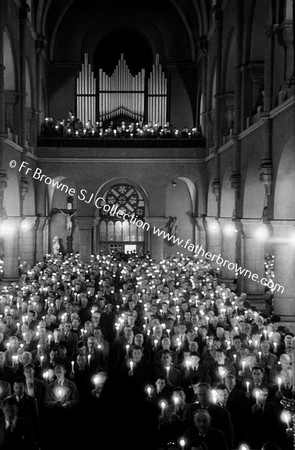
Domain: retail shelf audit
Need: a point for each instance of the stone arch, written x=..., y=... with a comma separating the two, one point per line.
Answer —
x=284, y=200
x=105, y=186
x=8, y=60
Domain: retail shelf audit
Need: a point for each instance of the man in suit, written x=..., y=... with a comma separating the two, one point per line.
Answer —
x=33, y=387
x=268, y=359
x=61, y=393
x=203, y=435
x=167, y=370
x=15, y=431
x=26, y=405
x=220, y=417
x=235, y=405
x=70, y=339
x=5, y=371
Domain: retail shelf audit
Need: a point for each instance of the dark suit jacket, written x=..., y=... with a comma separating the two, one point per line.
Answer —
x=220, y=419
x=214, y=440
x=174, y=377
x=21, y=438
x=39, y=392
x=70, y=396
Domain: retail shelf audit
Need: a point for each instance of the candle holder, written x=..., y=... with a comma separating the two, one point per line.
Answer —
x=289, y=405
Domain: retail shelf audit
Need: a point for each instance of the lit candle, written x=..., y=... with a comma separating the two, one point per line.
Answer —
x=167, y=370
x=149, y=391
x=256, y=393
x=73, y=363
x=89, y=359
x=175, y=400
x=248, y=386
x=131, y=363
x=286, y=417
x=182, y=443
x=162, y=406
x=235, y=357
x=41, y=360
x=59, y=393
x=96, y=380
x=275, y=346
x=221, y=372
x=279, y=383
x=243, y=365
x=127, y=349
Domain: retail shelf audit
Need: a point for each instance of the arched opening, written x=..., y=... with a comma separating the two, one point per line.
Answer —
x=121, y=226
x=9, y=80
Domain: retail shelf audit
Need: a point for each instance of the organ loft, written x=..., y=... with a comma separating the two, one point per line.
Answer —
x=178, y=113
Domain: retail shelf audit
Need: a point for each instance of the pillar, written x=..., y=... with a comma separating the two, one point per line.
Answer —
x=157, y=242
x=228, y=248
x=85, y=236
x=253, y=253
x=3, y=175
x=200, y=232
x=40, y=247
x=284, y=252
x=213, y=237
x=10, y=230
x=236, y=173
x=28, y=240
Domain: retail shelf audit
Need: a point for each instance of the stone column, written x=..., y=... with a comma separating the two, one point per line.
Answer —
x=236, y=173
x=253, y=257
x=10, y=229
x=3, y=175
x=40, y=249
x=200, y=232
x=213, y=238
x=228, y=248
x=157, y=242
x=28, y=240
x=284, y=251
x=85, y=236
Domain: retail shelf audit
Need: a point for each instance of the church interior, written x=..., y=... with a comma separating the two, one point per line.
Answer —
x=125, y=121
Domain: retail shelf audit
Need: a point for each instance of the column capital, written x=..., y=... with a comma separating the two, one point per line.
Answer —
x=282, y=227
x=211, y=224
x=157, y=221
x=28, y=222
x=250, y=227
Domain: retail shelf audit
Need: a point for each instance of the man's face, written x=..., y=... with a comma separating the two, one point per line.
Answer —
x=160, y=384
x=166, y=359
x=166, y=344
x=265, y=347
x=138, y=339
x=230, y=383
x=29, y=373
x=59, y=372
x=81, y=360
x=203, y=395
x=18, y=389
x=257, y=375
x=136, y=355
x=237, y=343
x=221, y=395
x=202, y=422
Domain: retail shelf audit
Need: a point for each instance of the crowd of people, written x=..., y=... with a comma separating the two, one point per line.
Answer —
x=73, y=127
x=129, y=353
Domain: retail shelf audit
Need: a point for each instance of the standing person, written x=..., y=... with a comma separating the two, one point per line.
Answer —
x=15, y=431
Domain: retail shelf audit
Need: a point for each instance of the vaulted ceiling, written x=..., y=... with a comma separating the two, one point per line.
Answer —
x=170, y=27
